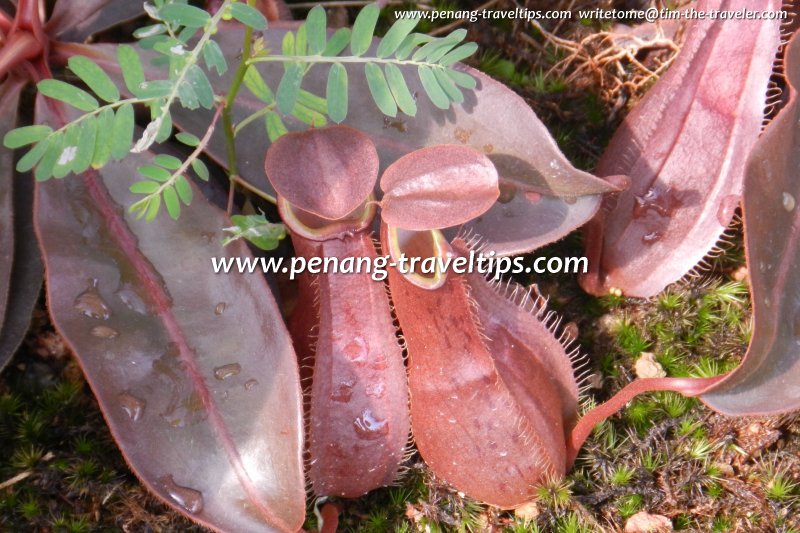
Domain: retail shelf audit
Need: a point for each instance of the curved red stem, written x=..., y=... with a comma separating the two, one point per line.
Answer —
x=6, y=22
x=686, y=386
x=20, y=47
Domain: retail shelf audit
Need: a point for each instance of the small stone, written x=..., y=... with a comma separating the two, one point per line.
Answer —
x=644, y=522
x=725, y=470
x=741, y=274
x=528, y=511
x=647, y=367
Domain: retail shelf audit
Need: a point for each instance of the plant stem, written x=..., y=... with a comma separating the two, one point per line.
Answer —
x=341, y=59
x=686, y=386
x=227, y=111
x=253, y=189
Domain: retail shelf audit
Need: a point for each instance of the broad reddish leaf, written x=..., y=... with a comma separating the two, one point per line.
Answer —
x=20, y=264
x=9, y=99
x=438, y=187
x=194, y=371
x=488, y=413
x=684, y=146
x=328, y=172
x=75, y=21
x=358, y=419
x=767, y=380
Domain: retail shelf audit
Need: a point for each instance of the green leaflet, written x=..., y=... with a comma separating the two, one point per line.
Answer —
x=256, y=85
x=33, y=156
x=256, y=229
x=64, y=92
x=336, y=92
x=432, y=88
x=316, y=24
x=172, y=202
x=396, y=34
x=364, y=29
x=200, y=169
x=397, y=85
x=122, y=132
x=338, y=42
x=248, y=16
x=131, y=67
x=184, y=190
x=26, y=135
x=184, y=15
x=275, y=126
x=86, y=146
x=94, y=77
x=379, y=89
x=289, y=87
x=214, y=58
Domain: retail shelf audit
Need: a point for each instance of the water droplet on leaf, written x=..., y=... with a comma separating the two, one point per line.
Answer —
x=788, y=201
x=370, y=427
x=133, y=406
x=356, y=350
x=91, y=304
x=104, y=332
x=226, y=371
x=190, y=499
x=343, y=392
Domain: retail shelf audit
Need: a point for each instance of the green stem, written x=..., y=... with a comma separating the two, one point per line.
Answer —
x=253, y=189
x=341, y=59
x=251, y=117
x=227, y=111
